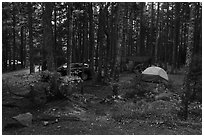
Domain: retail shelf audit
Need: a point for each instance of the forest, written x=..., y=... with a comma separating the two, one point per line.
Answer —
x=110, y=37
x=35, y=33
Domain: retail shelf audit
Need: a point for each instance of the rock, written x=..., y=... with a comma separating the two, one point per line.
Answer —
x=47, y=117
x=12, y=125
x=10, y=104
x=166, y=96
x=24, y=119
x=38, y=93
x=45, y=123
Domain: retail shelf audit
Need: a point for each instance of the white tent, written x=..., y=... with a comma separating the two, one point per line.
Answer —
x=154, y=74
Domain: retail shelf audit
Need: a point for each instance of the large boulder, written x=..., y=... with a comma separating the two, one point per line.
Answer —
x=24, y=119
x=166, y=96
x=38, y=93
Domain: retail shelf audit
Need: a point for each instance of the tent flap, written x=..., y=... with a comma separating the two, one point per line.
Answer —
x=152, y=78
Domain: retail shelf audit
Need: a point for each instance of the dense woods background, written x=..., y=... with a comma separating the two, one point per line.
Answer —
x=101, y=34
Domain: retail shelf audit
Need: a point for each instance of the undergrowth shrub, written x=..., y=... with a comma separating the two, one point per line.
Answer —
x=52, y=86
x=130, y=94
x=170, y=86
x=69, y=85
x=155, y=111
x=129, y=110
x=162, y=110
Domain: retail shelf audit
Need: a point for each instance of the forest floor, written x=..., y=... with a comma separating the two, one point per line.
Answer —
x=92, y=118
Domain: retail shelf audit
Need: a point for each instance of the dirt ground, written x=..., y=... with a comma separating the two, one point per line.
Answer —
x=93, y=118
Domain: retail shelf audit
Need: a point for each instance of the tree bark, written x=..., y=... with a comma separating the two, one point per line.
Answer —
x=176, y=36
x=4, y=49
x=152, y=29
x=167, y=39
x=106, y=46
x=142, y=31
x=85, y=34
x=14, y=36
x=55, y=35
x=48, y=36
x=112, y=39
x=189, y=55
x=197, y=27
x=158, y=35
x=30, y=22
x=172, y=35
x=119, y=21
x=43, y=51
x=69, y=42
x=130, y=30
x=120, y=15
x=4, y=42
x=100, y=39
x=22, y=48
x=91, y=38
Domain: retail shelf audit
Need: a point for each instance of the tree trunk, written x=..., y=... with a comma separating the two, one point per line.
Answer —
x=48, y=36
x=152, y=30
x=69, y=42
x=119, y=19
x=171, y=51
x=30, y=37
x=197, y=27
x=106, y=46
x=91, y=38
x=4, y=59
x=22, y=48
x=176, y=36
x=4, y=49
x=189, y=55
x=55, y=35
x=85, y=34
x=10, y=57
x=100, y=39
x=167, y=39
x=80, y=40
x=130, y=39
x=142, y=31
x=43, y=52
x=158, y=35
x=74, y=42
x=112, y=41
x=124, y=37
x=14, y=37
x=85, y=44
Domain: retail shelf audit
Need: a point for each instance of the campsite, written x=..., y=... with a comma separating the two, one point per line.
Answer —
x=101, y=68
x=96, y=112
